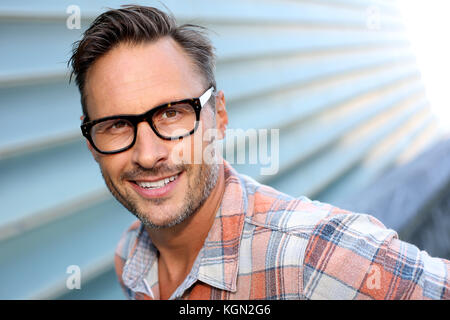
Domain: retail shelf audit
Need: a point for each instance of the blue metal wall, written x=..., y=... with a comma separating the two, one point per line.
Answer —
x=337, y=77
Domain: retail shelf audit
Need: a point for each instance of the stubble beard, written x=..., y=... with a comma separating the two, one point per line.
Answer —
x=198, y=190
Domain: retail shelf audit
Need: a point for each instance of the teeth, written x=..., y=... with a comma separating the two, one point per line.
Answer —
x=156, y=184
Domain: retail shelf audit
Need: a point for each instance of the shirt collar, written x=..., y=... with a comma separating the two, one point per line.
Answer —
x=218, y=260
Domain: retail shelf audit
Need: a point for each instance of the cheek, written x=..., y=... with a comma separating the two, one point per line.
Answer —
x=187, y=151
x=114, y=165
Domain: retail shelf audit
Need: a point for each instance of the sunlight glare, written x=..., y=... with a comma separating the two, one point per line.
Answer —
x=428, y=26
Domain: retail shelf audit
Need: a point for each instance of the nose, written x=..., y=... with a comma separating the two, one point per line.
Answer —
x=149, y=150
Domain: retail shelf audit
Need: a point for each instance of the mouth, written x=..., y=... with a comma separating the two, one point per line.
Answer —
x=156, y=184
x=158, y=188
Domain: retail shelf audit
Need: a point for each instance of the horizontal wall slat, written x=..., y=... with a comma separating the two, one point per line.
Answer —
x=259, y=75
x=26, y=54
x=277, y=108
x=46, y=179
x=311, y=178
x=274, y=76
x=41, y=257
x=40, y=112
x=103, y=287
x=35, y=219
x=310, y=138
x=268, y=11
x=90, y=273
x=375, y=165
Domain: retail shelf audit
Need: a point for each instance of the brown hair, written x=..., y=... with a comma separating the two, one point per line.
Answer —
x=138, y=24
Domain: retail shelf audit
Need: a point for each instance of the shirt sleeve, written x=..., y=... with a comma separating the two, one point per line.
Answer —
x=354, y=256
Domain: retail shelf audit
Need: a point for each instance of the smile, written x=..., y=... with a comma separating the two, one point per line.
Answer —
x=156, y=184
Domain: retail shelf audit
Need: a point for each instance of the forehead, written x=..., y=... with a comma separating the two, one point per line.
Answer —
x=131, y=79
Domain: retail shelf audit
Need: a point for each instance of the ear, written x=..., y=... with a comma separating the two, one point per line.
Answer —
x=221, y=114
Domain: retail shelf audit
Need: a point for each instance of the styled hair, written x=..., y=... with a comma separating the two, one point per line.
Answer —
x=134, y=24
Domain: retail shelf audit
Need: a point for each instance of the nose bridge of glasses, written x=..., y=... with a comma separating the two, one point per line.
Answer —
x=148, y=147
x=146, y=118
x=145, y=122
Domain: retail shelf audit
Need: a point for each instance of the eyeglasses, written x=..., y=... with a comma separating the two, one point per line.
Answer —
x=170, y=121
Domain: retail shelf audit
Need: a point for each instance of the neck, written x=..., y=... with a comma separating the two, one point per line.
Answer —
x=179, y=245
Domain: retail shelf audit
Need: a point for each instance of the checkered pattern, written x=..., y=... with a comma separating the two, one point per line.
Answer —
x=267, y=245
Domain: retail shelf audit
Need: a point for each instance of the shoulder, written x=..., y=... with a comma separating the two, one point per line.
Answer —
x=274, y=210
x=330, y=247
x=342, y=233
x=346, y=252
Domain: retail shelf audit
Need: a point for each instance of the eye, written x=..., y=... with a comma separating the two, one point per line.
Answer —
x=173, y=114
x=169, y=114
x=113, y=126
x=118, y=124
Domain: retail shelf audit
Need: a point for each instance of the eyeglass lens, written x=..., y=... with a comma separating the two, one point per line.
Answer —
x=170, y=122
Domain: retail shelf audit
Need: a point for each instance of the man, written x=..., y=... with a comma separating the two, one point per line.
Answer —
x=205, y=231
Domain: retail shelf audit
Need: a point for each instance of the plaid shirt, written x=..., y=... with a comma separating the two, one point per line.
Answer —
x=264, y=244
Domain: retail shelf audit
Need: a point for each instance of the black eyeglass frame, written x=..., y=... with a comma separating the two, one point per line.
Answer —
x=135, y=119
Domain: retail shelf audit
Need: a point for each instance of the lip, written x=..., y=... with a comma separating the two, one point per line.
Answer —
x=158, y=192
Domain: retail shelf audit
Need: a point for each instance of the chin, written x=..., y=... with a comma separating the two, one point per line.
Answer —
x=162, y=224
x=158, y=218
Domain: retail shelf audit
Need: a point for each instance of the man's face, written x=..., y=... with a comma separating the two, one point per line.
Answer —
x=131, y=79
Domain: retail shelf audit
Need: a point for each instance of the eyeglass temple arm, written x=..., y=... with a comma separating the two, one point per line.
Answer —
x=205, y=97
